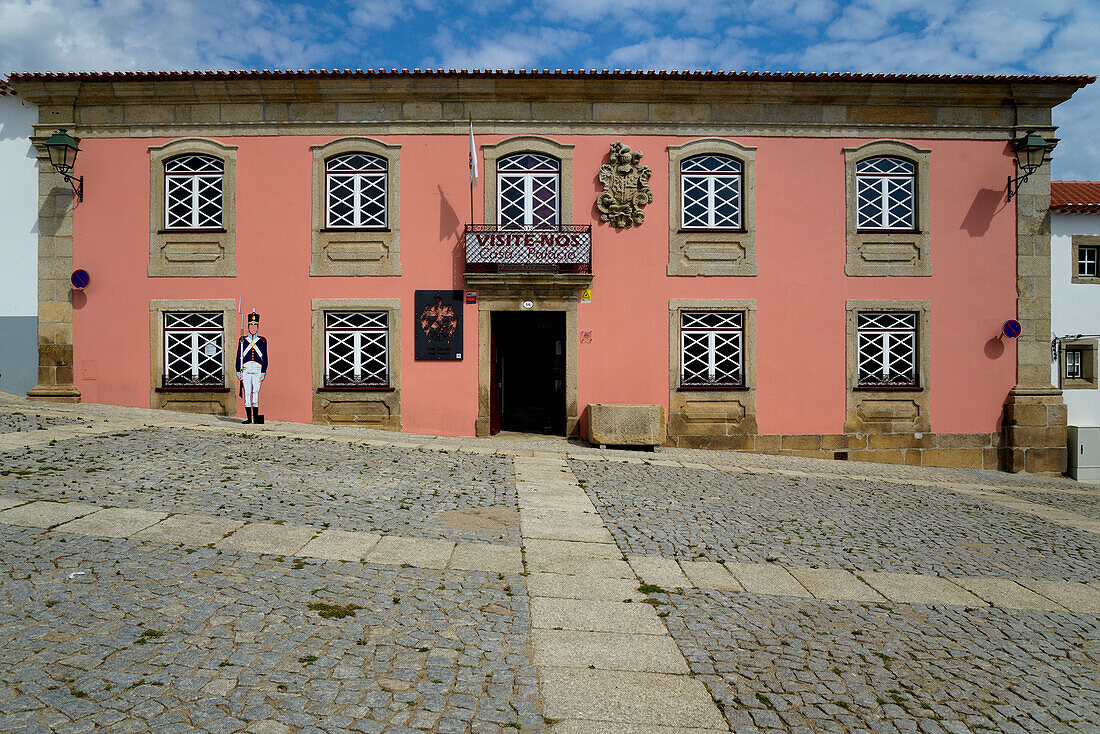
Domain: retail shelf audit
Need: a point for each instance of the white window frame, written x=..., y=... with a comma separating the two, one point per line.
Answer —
x=886, y=183
x=1074, y=365
x=199, y=335
x=360, y=180
x=725, y=328
x=376, y=332
x=195, y=181
x=890, y=339
x=527, y=180
x=711, y=178
x=1088, y=261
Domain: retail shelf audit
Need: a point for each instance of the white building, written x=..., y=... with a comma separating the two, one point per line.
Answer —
x=18, y=245
x=1075, y=296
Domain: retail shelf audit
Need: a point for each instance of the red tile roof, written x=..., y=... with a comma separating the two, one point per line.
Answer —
x=105, y=76
x=6, y=90
x=1075, y=197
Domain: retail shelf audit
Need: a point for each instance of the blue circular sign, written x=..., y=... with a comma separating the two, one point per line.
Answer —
x=80, y=279
x=1011, y=328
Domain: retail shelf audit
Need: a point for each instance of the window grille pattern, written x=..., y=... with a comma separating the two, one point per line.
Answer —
x=528, y=191
x=712, y=348
x=356, y=191
x=1087, y=258
x=886, y=194
x=1074, y=361
x=194, y=349
x=356, y=349
x=710, y=197
x=886, y=344
x=193, y=192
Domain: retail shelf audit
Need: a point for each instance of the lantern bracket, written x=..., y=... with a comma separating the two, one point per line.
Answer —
x=62, y=149
x=1032, y=150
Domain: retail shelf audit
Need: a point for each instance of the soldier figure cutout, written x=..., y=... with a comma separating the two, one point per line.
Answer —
x=252, y=367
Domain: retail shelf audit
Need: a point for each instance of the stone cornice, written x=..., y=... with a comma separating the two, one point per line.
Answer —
x=907, y=91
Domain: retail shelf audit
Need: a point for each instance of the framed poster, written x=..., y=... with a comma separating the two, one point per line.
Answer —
x=439, y=325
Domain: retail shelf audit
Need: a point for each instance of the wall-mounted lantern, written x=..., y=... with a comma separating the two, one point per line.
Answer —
x=63, y=149
x=1032, y=150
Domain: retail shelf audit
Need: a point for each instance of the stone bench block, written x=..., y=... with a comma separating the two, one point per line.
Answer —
x=612, y=424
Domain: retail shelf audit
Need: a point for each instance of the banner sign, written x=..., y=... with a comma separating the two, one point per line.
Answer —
x=551, y=247
x=438, y=325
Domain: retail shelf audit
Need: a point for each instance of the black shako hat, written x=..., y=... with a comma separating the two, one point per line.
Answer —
x=254, y=318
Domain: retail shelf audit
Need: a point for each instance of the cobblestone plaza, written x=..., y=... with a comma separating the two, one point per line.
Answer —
x=180, y=573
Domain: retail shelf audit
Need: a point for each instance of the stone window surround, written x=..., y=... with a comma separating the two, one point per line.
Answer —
x=1089, y=379
x=703, y=401
x=356, y=252
x=729, y=252
x=873, y=253
x=182, y=253
x=1079, y=241
x=389, y=397
x=219, y=401
x=528, y=144
x=863, y=400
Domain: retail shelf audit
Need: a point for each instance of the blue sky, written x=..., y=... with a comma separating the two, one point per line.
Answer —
x=940, y=36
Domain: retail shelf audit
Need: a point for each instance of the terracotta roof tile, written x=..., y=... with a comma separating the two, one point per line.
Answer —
x=104, y=76
x=1075, y=197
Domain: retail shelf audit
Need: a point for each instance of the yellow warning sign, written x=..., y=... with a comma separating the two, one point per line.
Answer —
x=586, y=295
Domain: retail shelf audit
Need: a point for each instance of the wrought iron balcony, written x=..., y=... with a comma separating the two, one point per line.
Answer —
x=566, y=248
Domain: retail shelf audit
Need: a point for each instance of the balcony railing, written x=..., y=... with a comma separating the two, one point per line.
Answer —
x=566, y=248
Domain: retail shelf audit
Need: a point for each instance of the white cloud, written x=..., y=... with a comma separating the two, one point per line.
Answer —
x=514, y=50
x=140, y=34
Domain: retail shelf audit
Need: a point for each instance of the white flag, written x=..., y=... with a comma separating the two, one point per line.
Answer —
x=473, y=156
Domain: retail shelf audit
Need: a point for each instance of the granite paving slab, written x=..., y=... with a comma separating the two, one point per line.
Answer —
x=187, y=529
x=113, y=522
x=263, y=537
x=45, y=514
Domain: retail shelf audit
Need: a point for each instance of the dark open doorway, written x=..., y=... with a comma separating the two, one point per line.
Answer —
x=528, y=379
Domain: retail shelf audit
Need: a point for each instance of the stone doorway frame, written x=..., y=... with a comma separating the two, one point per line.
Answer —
x=507, y=292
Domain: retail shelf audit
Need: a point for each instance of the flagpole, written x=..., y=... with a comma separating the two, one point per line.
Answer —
x=473, y=169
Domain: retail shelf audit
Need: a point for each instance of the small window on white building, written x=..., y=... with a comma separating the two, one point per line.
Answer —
x=528, y=191
x=355, y=192
x=1074, y=364
x=193, y=192
x=1087, y=258
x=712, y=350
x=356, y=349
x=886, y=194
x=194, y=349
x=710, y=192
x=886, y=344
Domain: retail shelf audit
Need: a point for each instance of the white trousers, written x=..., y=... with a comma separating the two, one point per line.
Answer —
x=250, y=376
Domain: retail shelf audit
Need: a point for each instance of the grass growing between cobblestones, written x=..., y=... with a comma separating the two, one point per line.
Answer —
x=228, y=642
x=792, y=665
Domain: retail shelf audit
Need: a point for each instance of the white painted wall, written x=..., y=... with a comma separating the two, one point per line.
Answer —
x=1074, y=307
x=18, y=209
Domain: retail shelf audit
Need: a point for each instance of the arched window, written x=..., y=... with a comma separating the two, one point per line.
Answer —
x=194, y=192
x=355, y=191
x=528, y=191
x=710, y=192
x=886, y=193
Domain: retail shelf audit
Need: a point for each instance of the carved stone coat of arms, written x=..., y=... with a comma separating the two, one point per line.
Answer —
x=625, y=188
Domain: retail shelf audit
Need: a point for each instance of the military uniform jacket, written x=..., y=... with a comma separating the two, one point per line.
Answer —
x=252, y=349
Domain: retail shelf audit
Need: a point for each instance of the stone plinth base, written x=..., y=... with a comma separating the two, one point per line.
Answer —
x=1035, y=430
x=55, y=393
x=626, y=425
x=202, y=402
x=954, y=450
x=369, y=409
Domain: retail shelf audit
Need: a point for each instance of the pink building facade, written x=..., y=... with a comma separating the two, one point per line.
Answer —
x=812, y=264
